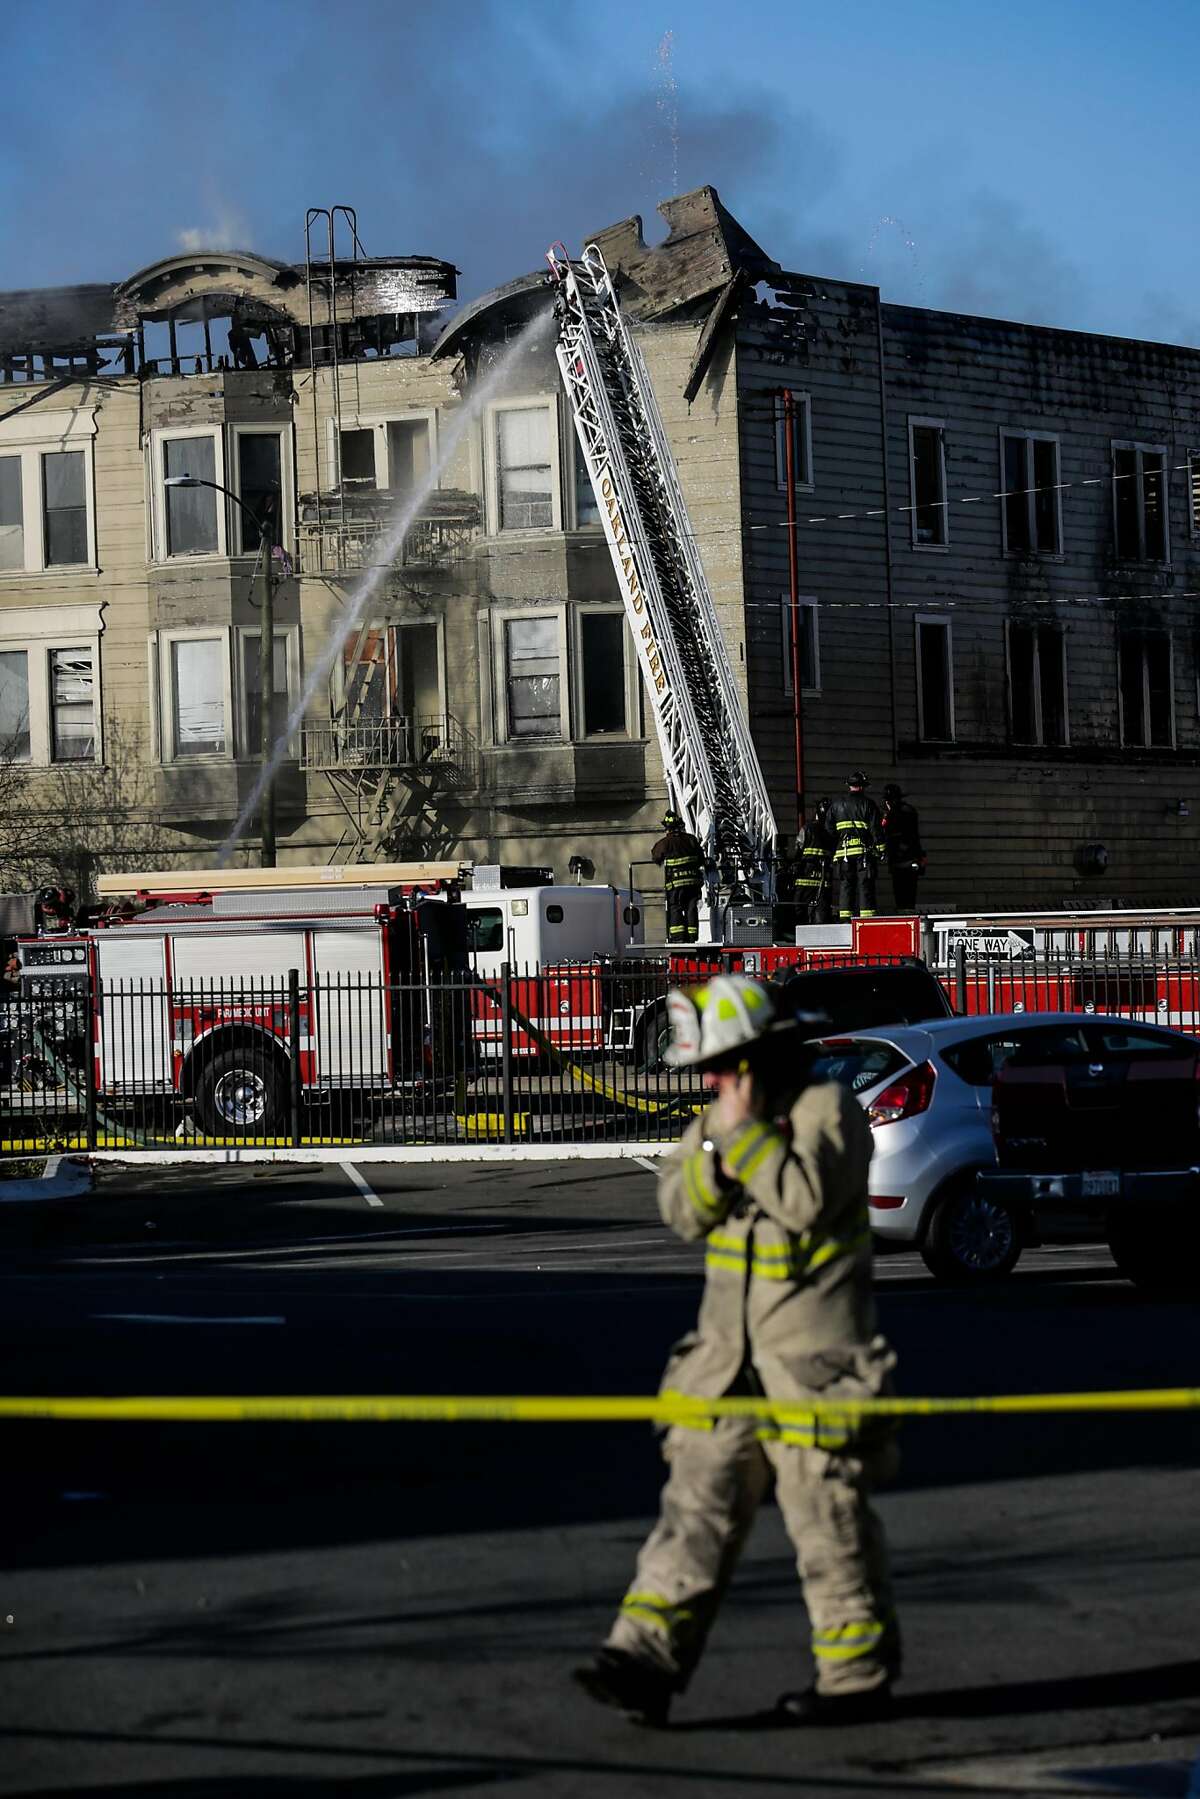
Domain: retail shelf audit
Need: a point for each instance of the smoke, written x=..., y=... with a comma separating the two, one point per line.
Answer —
x=228, y=231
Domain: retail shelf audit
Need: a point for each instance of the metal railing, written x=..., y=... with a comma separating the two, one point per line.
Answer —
x=571, y=1054
x=435, y=742
x=341, y=545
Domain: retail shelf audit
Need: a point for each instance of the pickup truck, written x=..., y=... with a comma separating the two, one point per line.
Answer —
x=1097, y=1134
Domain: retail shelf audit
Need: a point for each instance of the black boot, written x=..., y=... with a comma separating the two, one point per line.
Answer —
x=831, y=1709
x=631, y=1686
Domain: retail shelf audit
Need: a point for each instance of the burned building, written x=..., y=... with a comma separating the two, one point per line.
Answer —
x=987, y=545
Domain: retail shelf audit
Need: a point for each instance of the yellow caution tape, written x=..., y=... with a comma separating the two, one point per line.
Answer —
x=678, y=1409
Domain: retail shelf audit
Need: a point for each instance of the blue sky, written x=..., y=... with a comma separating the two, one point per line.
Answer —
x=1033, y=161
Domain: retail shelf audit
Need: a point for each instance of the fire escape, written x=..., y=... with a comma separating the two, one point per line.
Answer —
x=394, y=762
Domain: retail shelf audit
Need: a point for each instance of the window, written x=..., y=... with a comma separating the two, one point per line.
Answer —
x=1146, y=689
x=603, y=677
x=72, y=706
x=935, y=681
x=1193, y=470
x=407, y=454
x=281, y=698
x=587, y=510
x=47, y=521
x=191, y=512
x=12, y=514
x=356, y=457
x=532, y=676
x=524, y=468
x=199, y=697
x=259, y=486
x=1140, y=502
x=14, y=705
x=927, y=484
x=485, y=928
x=801, y=441
x=1037, y=683
x=64, y=508
x=810, y=662
x=1030, y=509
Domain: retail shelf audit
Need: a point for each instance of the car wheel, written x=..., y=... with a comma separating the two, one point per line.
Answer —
x=971, y=1237
x=241, y=1095
x=1166, y=1266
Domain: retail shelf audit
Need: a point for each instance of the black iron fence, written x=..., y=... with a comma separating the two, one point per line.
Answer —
x=573, y=1054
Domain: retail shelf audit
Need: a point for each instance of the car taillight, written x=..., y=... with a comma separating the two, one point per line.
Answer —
x=903, y=1098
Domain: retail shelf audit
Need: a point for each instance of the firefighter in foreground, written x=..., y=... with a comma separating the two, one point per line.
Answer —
x=855, y=825
x=681, y=859
x=774, y=1176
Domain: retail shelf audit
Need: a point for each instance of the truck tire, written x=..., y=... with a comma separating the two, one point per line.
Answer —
x=241, y=1093
x=653, y=1037
x=971, y=1238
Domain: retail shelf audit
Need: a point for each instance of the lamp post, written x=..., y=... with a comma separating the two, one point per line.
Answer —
x=266, y=654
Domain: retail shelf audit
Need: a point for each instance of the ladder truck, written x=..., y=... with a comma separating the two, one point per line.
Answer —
x=712, y=771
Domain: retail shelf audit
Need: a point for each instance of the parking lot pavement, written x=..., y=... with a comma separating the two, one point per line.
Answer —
x=378, y=1610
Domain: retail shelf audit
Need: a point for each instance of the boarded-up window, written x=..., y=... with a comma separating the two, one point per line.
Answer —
x=523, y=468
x=602, y=655
x=807, y=647
x=1140, y=503
x=1030, y=507
x=12, y=517
x=1147, y=698
x=532, y=677
x=14, y=706
x=1037, y=677
x=72, y=712
x=927, y=467
x=935, y=681
x=191, y=511
x=64, y=504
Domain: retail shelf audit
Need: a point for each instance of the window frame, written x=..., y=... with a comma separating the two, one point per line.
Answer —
x=1142, y=633
x=802, y=409
x=810, y=603
x=31, y=438
x=38, y=631
x=1142, y=449
x=500, y=617
x=1029, y=438
x=491, y=464
x=942, y=623
x=286, y=521
x=168, y=746
x=159, y=437
x=629, y=654
x=378, y=422
x=918, y=422
x=1037, y=626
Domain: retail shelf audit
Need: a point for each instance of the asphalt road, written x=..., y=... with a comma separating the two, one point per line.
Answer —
x=392, y=1610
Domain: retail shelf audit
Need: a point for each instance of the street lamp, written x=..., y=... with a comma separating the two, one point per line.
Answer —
x=266, y=653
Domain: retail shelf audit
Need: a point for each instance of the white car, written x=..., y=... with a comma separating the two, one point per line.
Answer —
x=927, y=1090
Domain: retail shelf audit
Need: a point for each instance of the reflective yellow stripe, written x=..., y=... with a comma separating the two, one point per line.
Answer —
x=834, y=1247
x=712, y=1260
x=744, y=1146
x=853, y=824
x=848, y=1641
x=657, y=1610
x=703, y=1200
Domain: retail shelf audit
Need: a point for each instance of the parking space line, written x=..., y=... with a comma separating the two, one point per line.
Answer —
x=645, y=1162
x=364, y=1186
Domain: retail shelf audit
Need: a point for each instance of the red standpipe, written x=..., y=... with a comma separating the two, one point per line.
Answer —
x=789, y=454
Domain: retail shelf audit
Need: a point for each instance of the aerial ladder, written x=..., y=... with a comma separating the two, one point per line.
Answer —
x=712, y=770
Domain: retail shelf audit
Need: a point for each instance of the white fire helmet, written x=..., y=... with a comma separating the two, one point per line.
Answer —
x=710, y=1022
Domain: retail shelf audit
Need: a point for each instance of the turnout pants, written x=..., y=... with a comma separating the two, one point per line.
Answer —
x=717, y=1480
x=856, y=887
x=683, y=914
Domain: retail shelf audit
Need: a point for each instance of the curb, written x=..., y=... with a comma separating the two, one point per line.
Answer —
x=63, y=1177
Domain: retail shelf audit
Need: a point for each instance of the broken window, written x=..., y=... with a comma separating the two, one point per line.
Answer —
x=356, y=457
x=524, y=468
x=198, y=687
x=14, y=706
x=1037, y=683
x=927, y=481
x=806, y=622
x=935, y=681
x=1030, y=511
x=801, y=441
x=191, y=512
x=259, y=462
x=1140, y=503
x=12, y=516
x=281, y=699
x=1147, y=689
x=532, y=675
x=602, y=667
x=64, y=507
x=72, y=706
x=587, y=507
x=408, y=455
